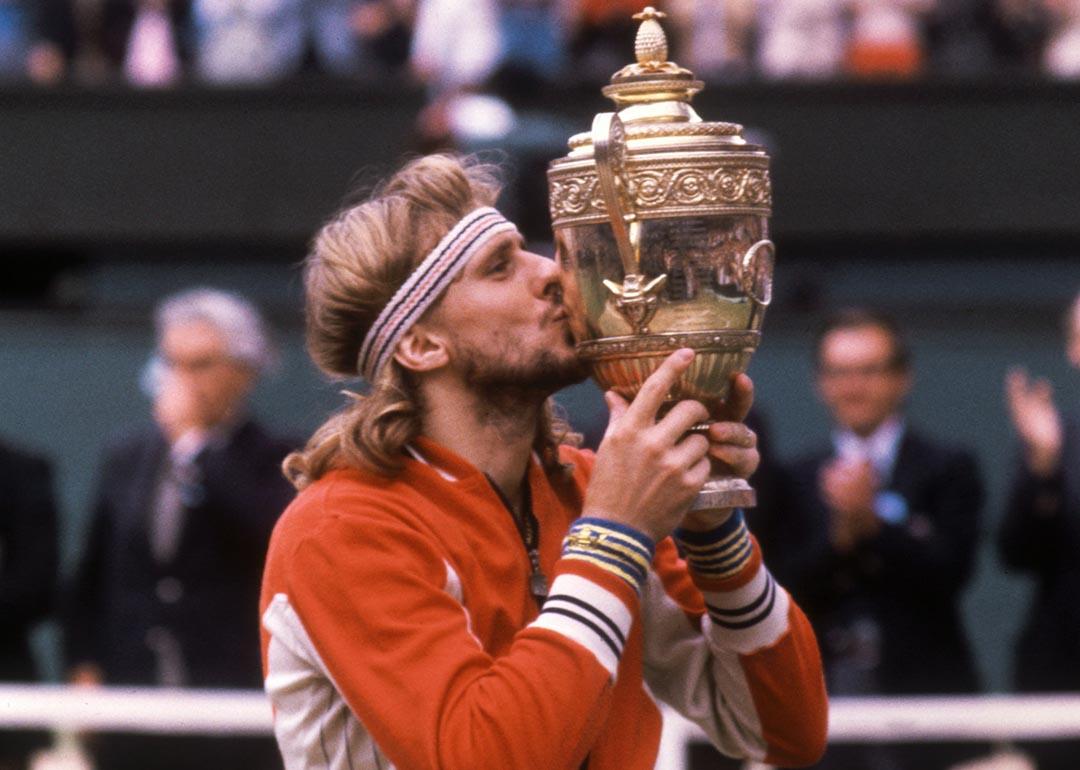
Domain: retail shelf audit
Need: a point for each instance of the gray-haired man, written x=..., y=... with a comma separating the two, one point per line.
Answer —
x=164, y=591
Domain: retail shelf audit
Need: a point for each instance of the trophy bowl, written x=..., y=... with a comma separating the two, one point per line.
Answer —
x=661, y=225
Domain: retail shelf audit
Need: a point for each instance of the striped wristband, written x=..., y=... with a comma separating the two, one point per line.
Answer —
x=717, y=553
x=617, y=548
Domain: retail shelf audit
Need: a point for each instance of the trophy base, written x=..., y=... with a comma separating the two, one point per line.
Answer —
x=724, y=492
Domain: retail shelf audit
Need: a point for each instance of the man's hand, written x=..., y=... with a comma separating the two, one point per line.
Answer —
x=178, y=409
x=1037, y=421
x=731, y=443
x=848, y=489
x=647, y=470
x=732, y=446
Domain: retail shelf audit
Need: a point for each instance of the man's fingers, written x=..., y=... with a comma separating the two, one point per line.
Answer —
x=691, y=450
x=734, y=433
x=739, y=400
x=700, y=473
x=682, y=417
x=740, y=462
x=656, y=388
x=616, y=404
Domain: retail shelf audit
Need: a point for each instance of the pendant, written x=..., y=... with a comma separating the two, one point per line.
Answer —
x=538, y=585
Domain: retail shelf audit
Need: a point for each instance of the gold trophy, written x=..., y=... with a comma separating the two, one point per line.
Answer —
x=661, y=224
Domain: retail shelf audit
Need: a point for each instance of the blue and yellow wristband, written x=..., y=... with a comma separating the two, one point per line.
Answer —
x=614, y=547
x=718, y=553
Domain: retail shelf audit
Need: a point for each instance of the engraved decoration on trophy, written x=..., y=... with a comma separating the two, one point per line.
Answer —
x=661, y=224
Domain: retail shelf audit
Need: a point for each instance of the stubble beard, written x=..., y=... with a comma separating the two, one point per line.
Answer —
x=510, y=386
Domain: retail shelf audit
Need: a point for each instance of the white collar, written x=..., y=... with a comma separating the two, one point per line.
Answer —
x=442, y=472
x=880, y=447
x=420, y=458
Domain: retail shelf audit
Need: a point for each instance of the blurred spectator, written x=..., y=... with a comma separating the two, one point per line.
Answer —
x=52, y=45
x=1062, y=56
x=383, y=29
x=602, y=35
x=152, y=42
x=263, y=41
x=455, y=45
x=455, y=51
x=803, y=39
x=1018, y=33
x=257, y=42
x=151, y=56
x=1040, y=535
x=28, y=573
x=532, y=36
x=887, y=38
x=16, y=31
x=715, y=37
x=367, y=38
x=957, y=35
x=168, y=583
x=94, y=40
x=248, y=41
x=882, y=539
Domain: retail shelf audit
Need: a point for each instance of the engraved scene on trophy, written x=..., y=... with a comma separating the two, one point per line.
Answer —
x=708, y=281
x=712, y=278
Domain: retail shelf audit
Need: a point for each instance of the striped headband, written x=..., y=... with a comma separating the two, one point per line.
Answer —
x=426, y=285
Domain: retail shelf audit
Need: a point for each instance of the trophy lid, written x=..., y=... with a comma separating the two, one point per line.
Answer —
x=674, y=163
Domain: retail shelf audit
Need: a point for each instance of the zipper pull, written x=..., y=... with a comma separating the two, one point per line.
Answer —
x=538, y=584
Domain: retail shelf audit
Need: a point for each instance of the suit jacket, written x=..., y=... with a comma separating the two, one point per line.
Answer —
x=908, y=578
x=28, y=557
x=206, y=596
x=1040, y=535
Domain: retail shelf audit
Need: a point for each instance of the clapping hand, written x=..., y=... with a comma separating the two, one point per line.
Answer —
x=1036, y=419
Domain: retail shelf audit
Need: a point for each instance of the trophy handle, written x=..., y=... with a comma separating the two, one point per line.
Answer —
x=755, y=271
x=609, y=152
x=636, y=299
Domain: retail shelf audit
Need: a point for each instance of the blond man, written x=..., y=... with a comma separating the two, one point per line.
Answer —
x=455, y=587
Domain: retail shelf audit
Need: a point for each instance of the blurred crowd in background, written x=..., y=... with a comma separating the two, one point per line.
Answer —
x=452, y=44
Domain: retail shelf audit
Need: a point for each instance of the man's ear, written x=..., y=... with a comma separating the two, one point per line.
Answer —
x=422, y=350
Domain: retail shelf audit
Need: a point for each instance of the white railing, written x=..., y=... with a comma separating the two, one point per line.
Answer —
x=991, y=718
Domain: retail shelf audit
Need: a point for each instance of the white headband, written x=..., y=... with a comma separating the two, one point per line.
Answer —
x=426, y=285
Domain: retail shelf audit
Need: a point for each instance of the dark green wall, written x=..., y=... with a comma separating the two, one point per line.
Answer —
x=88, y=171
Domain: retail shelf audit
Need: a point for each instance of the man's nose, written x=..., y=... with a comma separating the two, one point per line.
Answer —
x=548, y=277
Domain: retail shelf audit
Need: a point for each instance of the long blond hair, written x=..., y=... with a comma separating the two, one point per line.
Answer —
x=356, y=263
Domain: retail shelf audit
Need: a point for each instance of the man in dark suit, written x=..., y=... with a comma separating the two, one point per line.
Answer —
x=882, y=538
x=167, y=589
x=1041, y=536
x=28, y=569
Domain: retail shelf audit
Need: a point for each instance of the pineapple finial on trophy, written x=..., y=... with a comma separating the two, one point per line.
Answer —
x=650, y=45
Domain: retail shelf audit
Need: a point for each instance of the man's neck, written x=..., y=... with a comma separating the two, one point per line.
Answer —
x=497, y=438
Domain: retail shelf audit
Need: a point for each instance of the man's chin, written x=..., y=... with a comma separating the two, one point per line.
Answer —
x=574, y=369
x=552, y=379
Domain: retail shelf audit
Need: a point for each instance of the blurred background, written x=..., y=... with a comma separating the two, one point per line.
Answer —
x=926, y=161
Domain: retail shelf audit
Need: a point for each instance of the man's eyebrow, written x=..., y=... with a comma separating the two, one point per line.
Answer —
x=505, y=245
